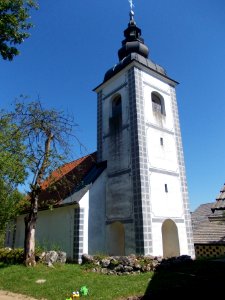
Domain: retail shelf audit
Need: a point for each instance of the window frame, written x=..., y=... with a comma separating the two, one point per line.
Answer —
x=158, y=100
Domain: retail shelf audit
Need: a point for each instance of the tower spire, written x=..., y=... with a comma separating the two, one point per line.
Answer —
x=133, y=42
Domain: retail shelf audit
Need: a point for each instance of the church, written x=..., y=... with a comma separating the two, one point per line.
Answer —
x=130, y=196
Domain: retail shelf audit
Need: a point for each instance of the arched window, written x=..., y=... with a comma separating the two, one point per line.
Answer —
x=117, y=106
x=158, y=104
x=115, y=122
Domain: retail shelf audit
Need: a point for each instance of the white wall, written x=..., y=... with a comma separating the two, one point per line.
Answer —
x=165, y=204
x=157, y=238
x=163, y=166
x=161, y=156
x=162, y=159
x=96, y=224
x=20, y=232
x=54, y=229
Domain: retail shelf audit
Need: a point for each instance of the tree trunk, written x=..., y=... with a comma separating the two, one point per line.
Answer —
x=31, y=219
x=30, y=227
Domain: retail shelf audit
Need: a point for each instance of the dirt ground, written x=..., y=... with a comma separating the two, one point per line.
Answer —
x=11, y=296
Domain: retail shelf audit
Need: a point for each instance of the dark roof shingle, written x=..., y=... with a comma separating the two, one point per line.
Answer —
x=220, y=201
x=208, y=228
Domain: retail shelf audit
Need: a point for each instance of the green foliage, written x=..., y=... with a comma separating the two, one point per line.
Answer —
x=14, y=25
x=10, y=256
x=99, y=256
x=144, y=260
x=11, y=203
x=2, y=238
x=12, y=170
x=12, y=152
x=13, y=162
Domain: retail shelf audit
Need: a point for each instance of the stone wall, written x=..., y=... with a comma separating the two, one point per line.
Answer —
x=132, y=264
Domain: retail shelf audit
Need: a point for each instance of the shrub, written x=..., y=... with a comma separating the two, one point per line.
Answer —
x=11, y=256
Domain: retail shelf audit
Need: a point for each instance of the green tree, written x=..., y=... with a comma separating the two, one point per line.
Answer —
x=12, y=170
x=11, y=203
x=12, y=152
x=14, y=25
x=46, y=135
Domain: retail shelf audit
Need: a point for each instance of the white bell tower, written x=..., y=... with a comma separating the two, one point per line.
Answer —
x=147, y=206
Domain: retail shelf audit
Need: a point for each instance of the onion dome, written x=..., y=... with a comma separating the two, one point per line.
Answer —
x=133, y=42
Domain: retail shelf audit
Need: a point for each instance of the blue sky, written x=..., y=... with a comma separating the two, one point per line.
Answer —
x=74, y=42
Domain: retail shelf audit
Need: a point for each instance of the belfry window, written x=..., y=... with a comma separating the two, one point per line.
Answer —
x=117, y=106
x=158, y=105
x=115, y=122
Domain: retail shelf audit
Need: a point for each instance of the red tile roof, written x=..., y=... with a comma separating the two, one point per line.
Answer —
x=67, y=168
x=62, y=182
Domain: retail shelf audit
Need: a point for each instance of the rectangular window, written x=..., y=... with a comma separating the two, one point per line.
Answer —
x=166, y=188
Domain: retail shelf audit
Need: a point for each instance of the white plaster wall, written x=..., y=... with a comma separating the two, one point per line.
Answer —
x=165, y=204
x=54, y=229
x=20, y=231
x=161, y=156
x=75, y=197
x=119, y=197
x=96, y=226
x=157, y=245
x=118, y=155
x=8, y=242
x=163, y=164
x=157, y=238
x=182, y=234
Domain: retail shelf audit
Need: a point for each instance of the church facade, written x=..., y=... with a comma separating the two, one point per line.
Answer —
x=133, y=197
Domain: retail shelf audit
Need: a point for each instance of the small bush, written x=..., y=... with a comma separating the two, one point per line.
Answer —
x=11, y=256
x=100, y=256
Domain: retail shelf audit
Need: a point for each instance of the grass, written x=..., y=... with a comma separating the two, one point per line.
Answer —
x=204, y=278
x=62, y=280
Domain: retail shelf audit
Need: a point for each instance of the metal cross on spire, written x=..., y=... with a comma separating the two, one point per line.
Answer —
x=131, y=4
x=131, y=10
